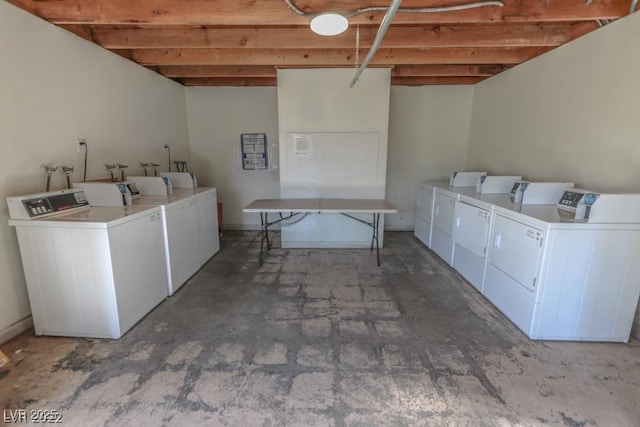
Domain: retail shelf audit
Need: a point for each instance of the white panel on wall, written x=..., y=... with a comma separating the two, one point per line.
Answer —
x=333, y=164
x=333, y=143
x=333, y=155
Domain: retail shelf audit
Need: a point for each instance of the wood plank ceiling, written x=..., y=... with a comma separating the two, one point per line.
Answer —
x=243, y=42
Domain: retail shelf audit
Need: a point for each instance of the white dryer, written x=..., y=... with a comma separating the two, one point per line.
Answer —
x=562, y=279
x=90, y=271
x=471, y=228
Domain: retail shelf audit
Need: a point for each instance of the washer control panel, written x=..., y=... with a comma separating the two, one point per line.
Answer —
x=48, y=204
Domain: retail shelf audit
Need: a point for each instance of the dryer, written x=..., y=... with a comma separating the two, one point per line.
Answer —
x=472, y=218
x=565, y=280
x=90, y=271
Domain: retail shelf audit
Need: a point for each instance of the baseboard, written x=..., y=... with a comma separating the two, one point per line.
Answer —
x=16, y=329
x=326, y=245
x=241, y=227
x=255, y=227
x=398, y=228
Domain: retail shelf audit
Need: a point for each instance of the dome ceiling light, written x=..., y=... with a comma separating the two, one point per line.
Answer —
x=329, y=24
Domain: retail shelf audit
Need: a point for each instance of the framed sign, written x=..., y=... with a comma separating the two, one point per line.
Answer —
x=254, y=151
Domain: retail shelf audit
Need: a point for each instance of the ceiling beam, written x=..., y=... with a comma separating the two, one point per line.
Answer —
x=272, y=81
x=229, y=81
x=329, y=57
x=423, y=81
x=204, y=71
x=302, y=38
x=265, y=71
x=446, y=70
x=276, y=12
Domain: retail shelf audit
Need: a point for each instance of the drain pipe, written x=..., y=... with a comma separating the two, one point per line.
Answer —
x=384, y=25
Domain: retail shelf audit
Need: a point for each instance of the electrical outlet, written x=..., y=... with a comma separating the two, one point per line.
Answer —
x=81, y=143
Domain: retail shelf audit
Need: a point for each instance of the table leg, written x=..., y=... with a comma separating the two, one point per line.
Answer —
x=266, y=230
x=375, y=226
x=264, y=222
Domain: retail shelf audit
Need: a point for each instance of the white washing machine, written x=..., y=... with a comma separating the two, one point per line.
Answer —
x=90, y=271
x=189, y=220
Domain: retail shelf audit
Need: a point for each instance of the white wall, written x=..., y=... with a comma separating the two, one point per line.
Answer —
x=428, y=131
x=572, y=114
x=346, y=130
x=320, y=101
x=54, y=88
x=217, y=118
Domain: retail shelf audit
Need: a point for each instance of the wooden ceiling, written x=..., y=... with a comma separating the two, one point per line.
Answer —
x=243, y=42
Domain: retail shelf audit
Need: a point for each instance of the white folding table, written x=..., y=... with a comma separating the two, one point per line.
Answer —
x=295, y=207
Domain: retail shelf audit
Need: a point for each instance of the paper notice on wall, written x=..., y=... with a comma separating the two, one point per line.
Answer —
x=302, y=145
x=254, y=151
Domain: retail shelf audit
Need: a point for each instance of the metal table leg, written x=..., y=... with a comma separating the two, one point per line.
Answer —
x=264, y=227
x=375, y=226
x=264, y=221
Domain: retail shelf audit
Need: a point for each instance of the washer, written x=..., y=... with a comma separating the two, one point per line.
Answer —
x=90, y=271
x=189, y=219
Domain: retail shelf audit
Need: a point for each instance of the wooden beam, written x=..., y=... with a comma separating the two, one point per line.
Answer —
x=205, y=71
x=82, y=31
x=264, y=71
x=446, y=70
x=276, y=12
x=329, y=57
x=230, y=81
x=423, y=81
x=302, y=38
x=395, y=81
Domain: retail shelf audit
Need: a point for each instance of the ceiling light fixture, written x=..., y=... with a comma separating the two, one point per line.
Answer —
x=329, y=24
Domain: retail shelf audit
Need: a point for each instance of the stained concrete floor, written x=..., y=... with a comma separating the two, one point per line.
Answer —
x=323, y=338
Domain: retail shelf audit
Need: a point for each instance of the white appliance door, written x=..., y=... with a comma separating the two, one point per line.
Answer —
x=516, y=250
x=139, y=268
x=208, y=234
x=443, y=213
x=424, y=204
x=471, y=228
x=182, y=235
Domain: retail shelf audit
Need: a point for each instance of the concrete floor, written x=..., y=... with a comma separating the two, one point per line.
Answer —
x=322, y=338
